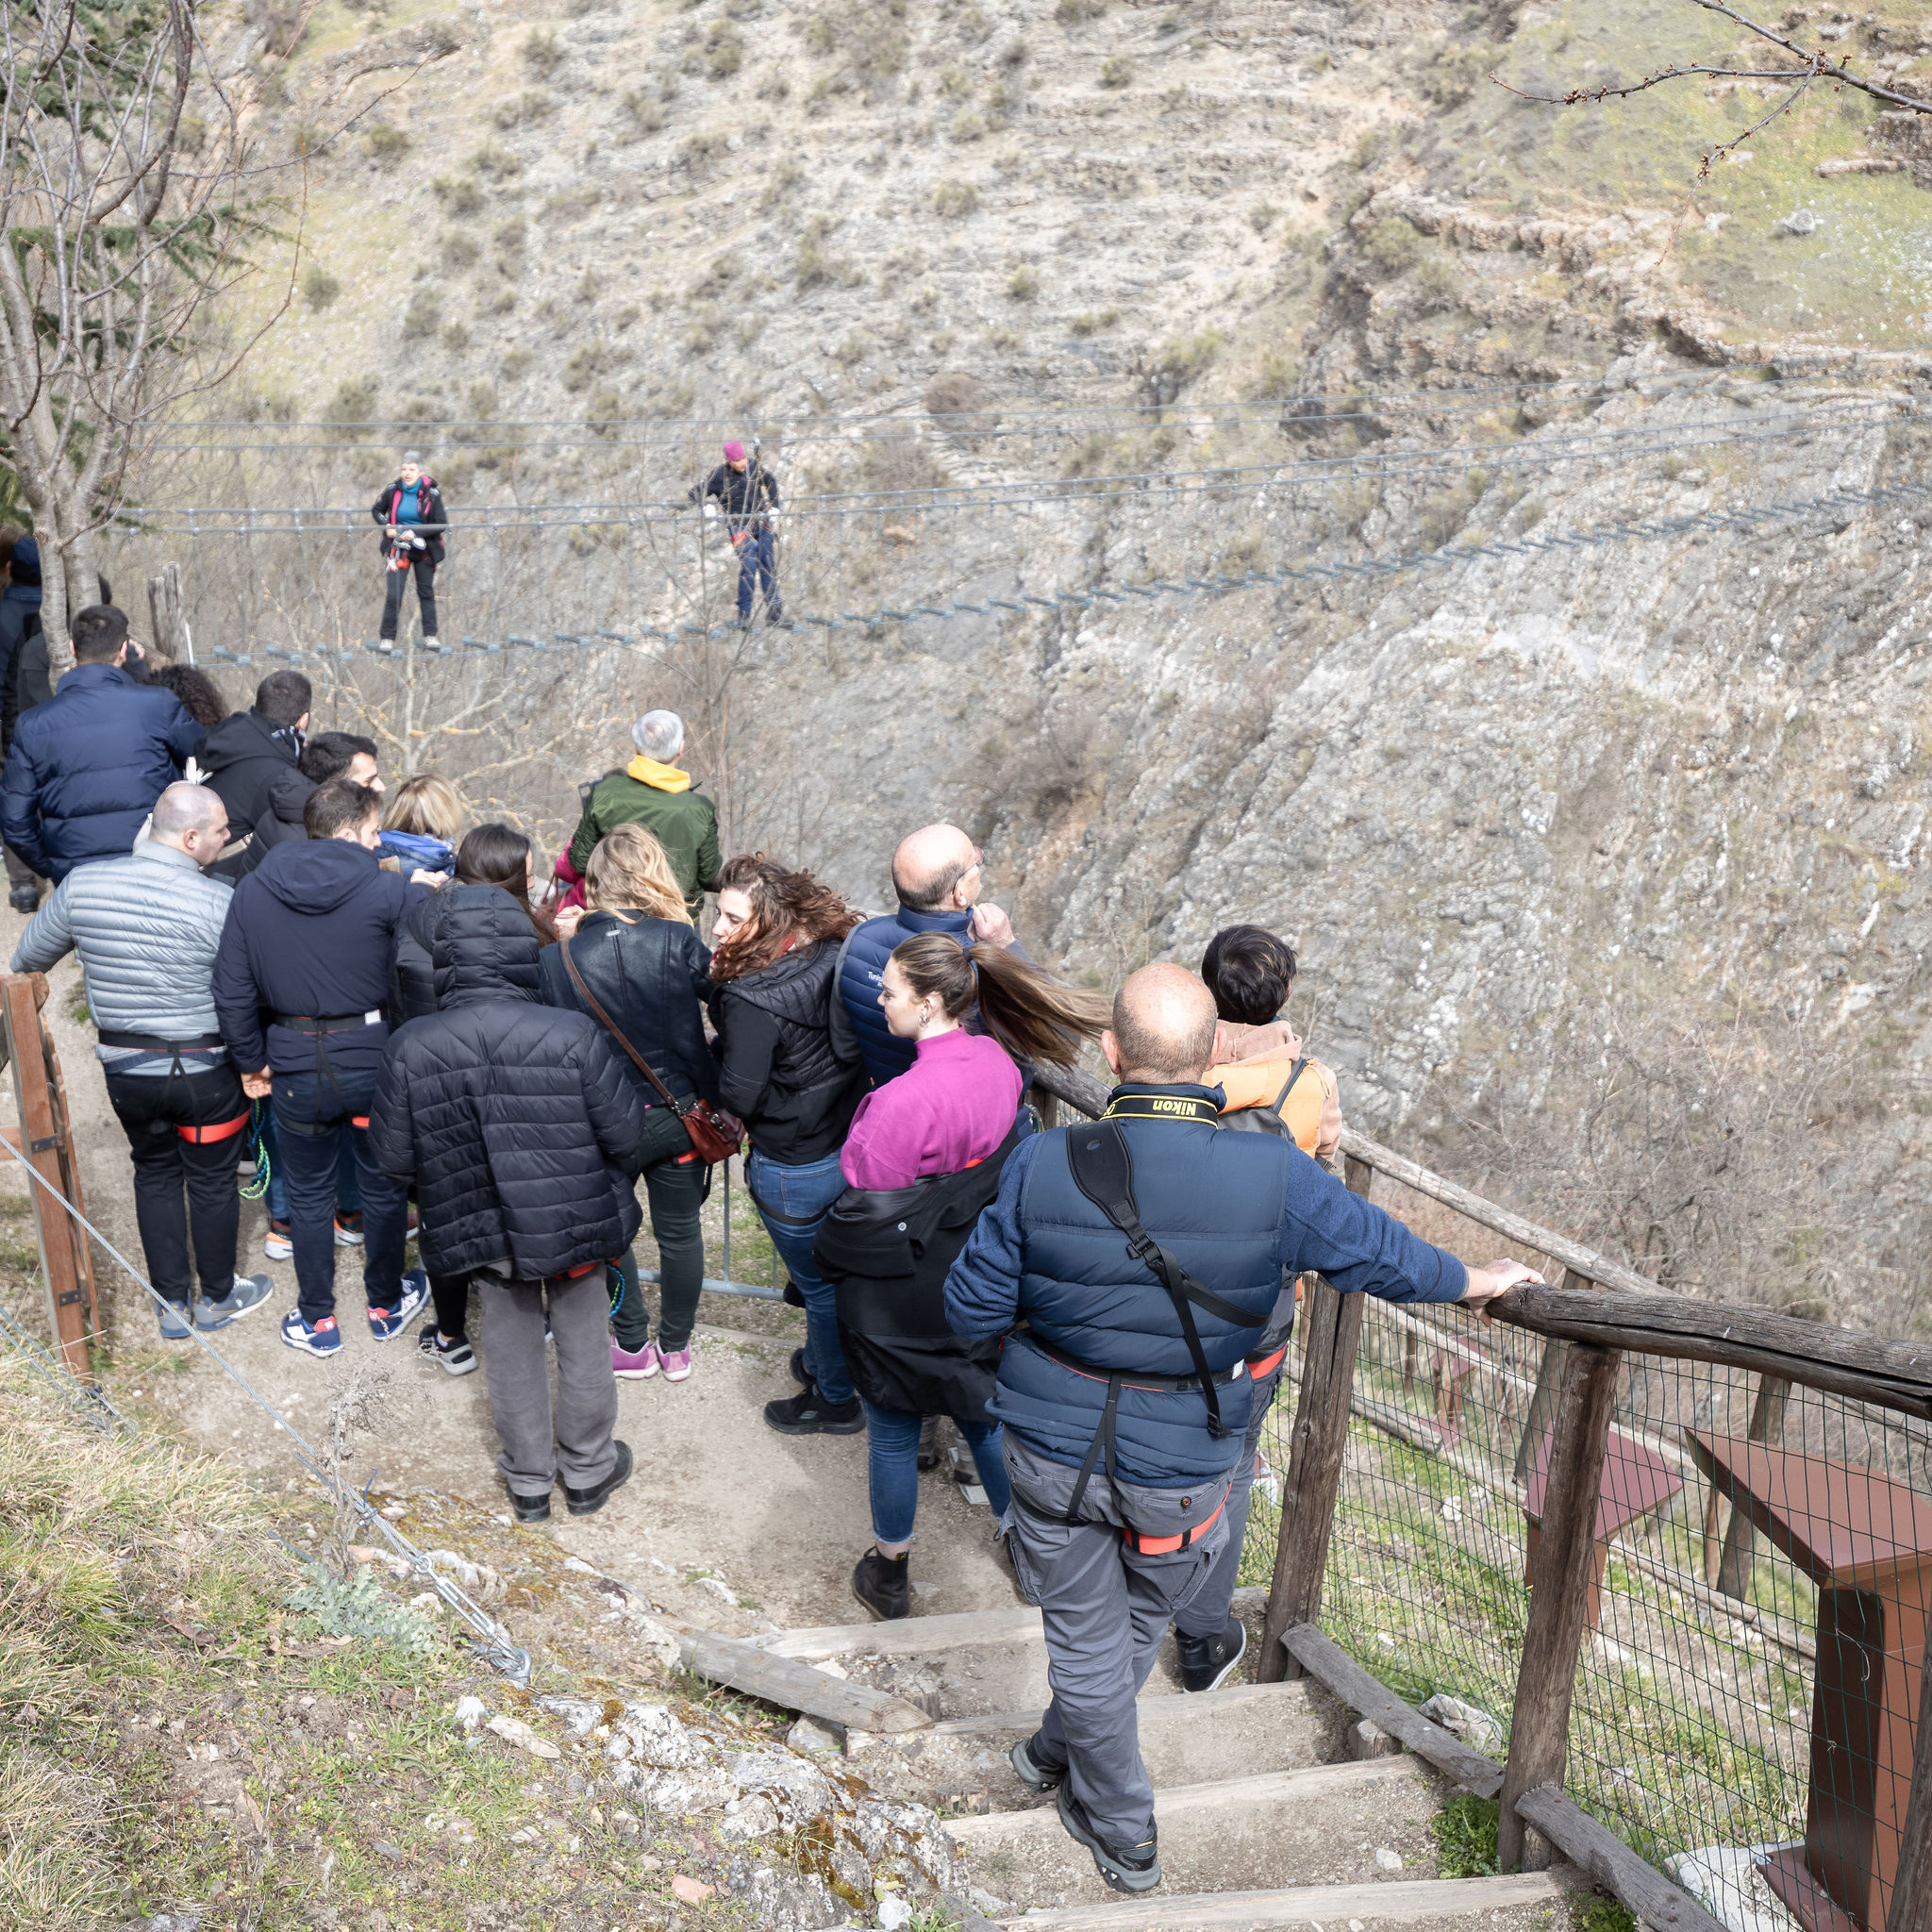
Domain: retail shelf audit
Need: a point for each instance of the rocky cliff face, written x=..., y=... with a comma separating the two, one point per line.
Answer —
x=1657, y=784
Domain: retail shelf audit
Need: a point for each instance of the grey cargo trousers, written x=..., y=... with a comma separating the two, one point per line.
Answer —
x=570, y=1439
x=1105, y=1607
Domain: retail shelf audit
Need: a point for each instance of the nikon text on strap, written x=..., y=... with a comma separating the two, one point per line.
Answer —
x=1103, y=1169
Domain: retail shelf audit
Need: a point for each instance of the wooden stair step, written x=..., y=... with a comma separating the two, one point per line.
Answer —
x=1393, y=1902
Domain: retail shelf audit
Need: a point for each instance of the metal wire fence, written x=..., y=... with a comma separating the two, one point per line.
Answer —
x=1750, y=1675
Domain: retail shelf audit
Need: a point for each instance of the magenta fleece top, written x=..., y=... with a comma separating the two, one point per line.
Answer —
x=951, y=1108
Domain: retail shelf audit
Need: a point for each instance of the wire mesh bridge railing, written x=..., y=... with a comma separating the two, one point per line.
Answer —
x=1653, y=1573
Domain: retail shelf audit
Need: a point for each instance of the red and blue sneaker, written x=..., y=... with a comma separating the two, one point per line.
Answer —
x=323, y=1337
x=387, y=1323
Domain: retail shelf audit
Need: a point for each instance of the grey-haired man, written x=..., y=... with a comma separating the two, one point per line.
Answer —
x=655, y=791
x=411, y=515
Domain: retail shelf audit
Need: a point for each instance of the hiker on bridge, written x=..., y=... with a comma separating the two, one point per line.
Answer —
x=745, y=492
x=413, y=519
x=146, y=926
x=922, y=1159
x=1135, y=1266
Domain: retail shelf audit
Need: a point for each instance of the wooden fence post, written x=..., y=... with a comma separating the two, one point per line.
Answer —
x=66, y=1264
x=170, y=636
x=1546, y=1677
x=1542, y=1403
x=1314, y=1470
x=1767, y=1425
x=1910, y=1907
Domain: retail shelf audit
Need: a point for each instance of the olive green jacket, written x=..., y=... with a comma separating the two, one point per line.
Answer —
x=685, y=823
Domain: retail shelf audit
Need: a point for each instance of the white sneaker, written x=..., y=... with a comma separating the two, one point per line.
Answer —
x=279, y=1245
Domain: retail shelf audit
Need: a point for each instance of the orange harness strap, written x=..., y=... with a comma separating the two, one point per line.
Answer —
x=1166, y=1545
x=1265, y=1365
x=219, y=1130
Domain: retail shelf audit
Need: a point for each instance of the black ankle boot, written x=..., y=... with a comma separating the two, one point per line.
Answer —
x=883, y=1585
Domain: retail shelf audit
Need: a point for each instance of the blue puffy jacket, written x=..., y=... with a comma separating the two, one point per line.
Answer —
x=1242, y=1214
x=861, y=962
x=86, y=767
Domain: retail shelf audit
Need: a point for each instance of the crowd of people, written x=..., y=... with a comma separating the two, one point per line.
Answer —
x=282, y=955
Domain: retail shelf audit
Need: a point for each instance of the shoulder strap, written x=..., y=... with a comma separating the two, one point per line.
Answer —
x=1294, y=1074
x=1103, y=1169
x=609, y=1025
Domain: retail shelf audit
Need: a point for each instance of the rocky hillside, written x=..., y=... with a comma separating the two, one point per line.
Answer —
x=1602, y=859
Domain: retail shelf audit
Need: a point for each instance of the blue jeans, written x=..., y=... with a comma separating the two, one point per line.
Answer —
x=891, y=1468
x=757, y=563
x=802, y=1195
x=311, y=1131
x=348, y=1187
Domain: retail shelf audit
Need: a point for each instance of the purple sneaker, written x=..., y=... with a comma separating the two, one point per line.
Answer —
x=676, y=1362
x=639, y=1366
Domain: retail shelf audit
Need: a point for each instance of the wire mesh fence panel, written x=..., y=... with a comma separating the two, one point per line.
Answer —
x=1756, y=1622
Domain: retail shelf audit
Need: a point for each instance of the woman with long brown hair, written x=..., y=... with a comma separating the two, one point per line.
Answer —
x=777, y=953
x=638, y=955
x=923, y=1157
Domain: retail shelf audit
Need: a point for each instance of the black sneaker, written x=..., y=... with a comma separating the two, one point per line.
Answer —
x=531, y=1508
x=588, y=1502
x=800, y=1373
x=809, y=1413
x=1207, y=1662
x=1031, y=1771
x=1127, y=1868
x=25, y=899
x=454, y=1357
x=883, y=1585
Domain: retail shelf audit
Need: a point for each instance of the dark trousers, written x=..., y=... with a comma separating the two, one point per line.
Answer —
x=426, y=596
x=153, y=1108
x=451, y=1294
x=310, y=1125
x=758, y=566
x=677, y=1196
x=19, y=872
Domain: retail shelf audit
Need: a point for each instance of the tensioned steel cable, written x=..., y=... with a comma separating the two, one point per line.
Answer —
x=1208, y=482
x=492, y=1640
x=1647, y=530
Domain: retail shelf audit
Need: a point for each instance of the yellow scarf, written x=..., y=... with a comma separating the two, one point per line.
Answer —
x=665, y=778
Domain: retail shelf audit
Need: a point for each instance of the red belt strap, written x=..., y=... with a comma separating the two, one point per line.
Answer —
x=360, y=1120
x=219, y=1130
x=1265, y=1365
x=1166, y=1545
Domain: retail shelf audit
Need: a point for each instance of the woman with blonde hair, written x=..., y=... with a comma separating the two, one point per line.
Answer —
x=643, y=963
x=422, y=819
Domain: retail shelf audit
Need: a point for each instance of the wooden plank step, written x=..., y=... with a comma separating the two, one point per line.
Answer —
x=919, y=1636
x=1019, y=1723
x=1270, y=1787
x=796, y=1685
x=1394, y=1902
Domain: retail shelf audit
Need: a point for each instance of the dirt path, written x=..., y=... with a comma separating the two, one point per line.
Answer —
x=778, y=1522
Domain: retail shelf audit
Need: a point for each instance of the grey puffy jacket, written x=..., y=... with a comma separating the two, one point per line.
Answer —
x=147, y=928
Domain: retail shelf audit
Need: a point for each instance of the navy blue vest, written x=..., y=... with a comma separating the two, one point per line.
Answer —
x=866, y=952
x=1214, y=1201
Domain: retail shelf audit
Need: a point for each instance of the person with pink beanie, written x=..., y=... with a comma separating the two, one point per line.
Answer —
x=747, y=493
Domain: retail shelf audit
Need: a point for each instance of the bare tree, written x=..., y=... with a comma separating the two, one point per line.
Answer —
x=123, y=204
x=1795, y=74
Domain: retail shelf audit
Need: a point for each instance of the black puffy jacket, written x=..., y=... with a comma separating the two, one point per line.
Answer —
x=649, y=975
x=513, y=1118
x=778, y=1070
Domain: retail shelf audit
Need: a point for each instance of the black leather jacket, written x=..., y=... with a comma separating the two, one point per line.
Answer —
x=649, y=975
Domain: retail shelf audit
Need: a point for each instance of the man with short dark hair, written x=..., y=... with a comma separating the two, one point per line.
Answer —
x=1270, y=1084
x=246, y=752
x=327, y=755
x=86, y=767
x=1133, y=1265
x=938, y=873
x=146, y=926
x=309, y=944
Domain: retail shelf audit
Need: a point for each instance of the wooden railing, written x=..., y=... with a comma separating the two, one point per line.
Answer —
x=1601, y=1311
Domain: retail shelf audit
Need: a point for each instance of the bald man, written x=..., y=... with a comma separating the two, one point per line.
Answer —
x=1152, y=1257
x=147, y=928
x=937, y=873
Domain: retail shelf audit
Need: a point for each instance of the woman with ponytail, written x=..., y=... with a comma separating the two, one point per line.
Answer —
x=921, y=1160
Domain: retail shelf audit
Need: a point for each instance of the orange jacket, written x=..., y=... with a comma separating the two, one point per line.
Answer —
x=1260, y=1061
